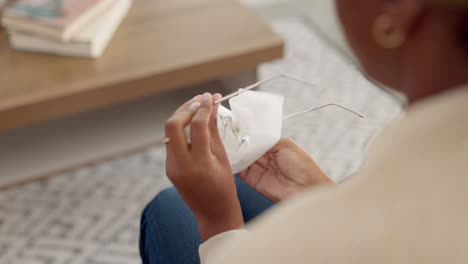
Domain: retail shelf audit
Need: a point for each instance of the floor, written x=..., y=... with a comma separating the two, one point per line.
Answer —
x=91, y=215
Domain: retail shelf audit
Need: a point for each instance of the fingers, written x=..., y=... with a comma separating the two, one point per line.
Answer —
x=216, y=143
x=200, y=133
x=261, y=164
x=188, y=103
x=201, y=114
x=214, y=113
x=175, y=127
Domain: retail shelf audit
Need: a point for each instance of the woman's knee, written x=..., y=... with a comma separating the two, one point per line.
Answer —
x=162, y=199
x=150, y=216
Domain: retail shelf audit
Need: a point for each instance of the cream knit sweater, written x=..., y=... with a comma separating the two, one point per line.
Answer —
x=408, y=204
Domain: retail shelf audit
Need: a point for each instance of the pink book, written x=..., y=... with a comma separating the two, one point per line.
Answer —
x=58, y=19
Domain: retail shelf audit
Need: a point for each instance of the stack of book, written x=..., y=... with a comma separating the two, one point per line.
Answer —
x=3, y=3
x=81, y=28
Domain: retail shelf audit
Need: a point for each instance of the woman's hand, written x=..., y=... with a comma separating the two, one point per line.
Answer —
x=283, y=171
x=200, y=171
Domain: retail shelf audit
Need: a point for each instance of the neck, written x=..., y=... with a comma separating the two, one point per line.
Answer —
x=433, y=78
x=433, y=66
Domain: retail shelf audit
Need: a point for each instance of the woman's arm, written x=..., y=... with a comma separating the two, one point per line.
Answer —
x=200, y=171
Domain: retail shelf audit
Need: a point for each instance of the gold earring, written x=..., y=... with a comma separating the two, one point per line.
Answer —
x=385, y=34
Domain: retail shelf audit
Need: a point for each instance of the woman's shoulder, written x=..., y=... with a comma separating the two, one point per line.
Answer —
x=433, y=127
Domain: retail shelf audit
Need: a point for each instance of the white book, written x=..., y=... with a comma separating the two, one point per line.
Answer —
x=89, y=43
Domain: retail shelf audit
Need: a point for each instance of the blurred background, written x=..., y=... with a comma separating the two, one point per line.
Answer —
x=80, y=148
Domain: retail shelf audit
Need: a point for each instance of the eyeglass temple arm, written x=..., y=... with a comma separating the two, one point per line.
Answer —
x=321, y=107
x=250, y=87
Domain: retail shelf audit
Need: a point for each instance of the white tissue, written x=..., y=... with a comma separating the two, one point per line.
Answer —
x=251, y=128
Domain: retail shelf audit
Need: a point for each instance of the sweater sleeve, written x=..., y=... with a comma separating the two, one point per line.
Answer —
x=210, y=246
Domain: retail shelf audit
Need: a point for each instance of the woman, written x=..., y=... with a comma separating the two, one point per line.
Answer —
x=407, y=204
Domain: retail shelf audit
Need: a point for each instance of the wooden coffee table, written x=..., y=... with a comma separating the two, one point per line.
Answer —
x=162, y=46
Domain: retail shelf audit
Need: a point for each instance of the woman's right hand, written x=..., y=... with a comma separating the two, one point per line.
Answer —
x=283, y=171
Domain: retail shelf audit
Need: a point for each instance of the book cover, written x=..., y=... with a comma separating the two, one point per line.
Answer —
x=89, y=43
x=56, y=13
x=3, y=4
x=59, y=18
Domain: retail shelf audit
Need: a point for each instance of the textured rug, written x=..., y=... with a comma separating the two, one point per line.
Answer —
x=91, y=215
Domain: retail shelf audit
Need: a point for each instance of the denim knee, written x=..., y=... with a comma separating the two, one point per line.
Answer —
x=147, y=214
x=160, y=199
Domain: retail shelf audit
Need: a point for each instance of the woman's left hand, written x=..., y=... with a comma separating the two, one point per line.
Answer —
x=200, y=171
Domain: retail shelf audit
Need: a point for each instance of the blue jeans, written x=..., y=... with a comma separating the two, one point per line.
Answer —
x=169, y=232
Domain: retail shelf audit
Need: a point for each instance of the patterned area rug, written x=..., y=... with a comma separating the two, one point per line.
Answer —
x=91, y=215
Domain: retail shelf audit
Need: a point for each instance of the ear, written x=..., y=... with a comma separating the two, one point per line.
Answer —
x=393, y=26
x=405, y=13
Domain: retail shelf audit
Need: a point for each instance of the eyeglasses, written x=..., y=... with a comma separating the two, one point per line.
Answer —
x=255, y=85
x=226, y=122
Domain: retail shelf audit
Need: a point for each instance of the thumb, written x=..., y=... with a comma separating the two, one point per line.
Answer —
x=243, y=174
x=284, y=143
